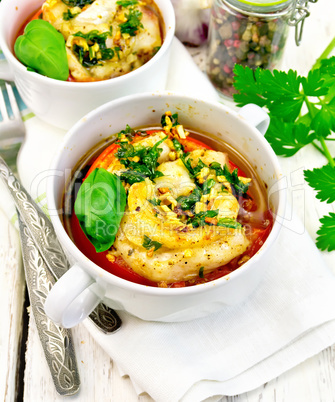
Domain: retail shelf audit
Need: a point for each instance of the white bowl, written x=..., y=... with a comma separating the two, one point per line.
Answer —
x=150, y=303
x=63, y=103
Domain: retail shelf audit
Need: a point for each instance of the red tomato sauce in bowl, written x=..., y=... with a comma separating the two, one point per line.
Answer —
x=254, y=214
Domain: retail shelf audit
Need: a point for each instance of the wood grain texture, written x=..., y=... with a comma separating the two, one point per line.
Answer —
x=311, y=381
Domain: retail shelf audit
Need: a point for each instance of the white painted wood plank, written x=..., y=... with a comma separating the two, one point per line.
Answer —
x=12, y=288
x=100, y=379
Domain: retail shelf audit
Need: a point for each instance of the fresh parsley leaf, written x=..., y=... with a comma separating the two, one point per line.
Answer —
x=278, y=91
x=199, y=219
x=323, y=181
x=323, y=121
x=326, y=233
x=201, y=272
x=313, y=84
x=149, y=244
x=287, y=139
x=327, y=69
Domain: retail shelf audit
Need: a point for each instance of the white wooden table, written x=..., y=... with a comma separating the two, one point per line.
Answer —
x=23, y=370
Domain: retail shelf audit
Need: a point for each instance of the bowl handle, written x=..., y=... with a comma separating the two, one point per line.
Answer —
x=256, y=116
x=73, y=297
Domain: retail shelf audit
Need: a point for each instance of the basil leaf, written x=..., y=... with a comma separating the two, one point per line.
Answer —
x=99, y=207
x=42, y=48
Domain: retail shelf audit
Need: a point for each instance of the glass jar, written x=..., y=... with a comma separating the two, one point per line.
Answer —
x=248, y=32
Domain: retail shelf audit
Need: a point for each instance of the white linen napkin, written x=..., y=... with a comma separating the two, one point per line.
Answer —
x=289, y=318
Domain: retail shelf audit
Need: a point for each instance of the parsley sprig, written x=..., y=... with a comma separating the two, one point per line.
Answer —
x=302, y=111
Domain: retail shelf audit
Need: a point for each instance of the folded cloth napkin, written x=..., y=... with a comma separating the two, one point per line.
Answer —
x=289, y=318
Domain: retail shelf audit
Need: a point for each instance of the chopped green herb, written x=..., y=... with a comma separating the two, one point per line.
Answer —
x=145, y=167
x=177, y=145
x=201, y=272
x=188, y=202
x=199, y=219
x=132, y=176
x=155, y=202
x=67, y=15
x=173, y=118
x=126, y=3
x=149, y=244
x=229, y=223
x=128, y=133
x=77, y=3
x=232, y=178
x=193, y=171
x=133, y=23
x=89, y=58
x=208, y=184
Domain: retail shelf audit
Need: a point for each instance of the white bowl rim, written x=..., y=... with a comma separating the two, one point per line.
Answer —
x=150, y=290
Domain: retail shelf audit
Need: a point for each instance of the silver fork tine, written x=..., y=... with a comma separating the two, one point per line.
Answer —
x=3, y=107
x=12, y=101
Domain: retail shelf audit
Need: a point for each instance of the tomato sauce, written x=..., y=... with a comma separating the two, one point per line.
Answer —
x=254, y=215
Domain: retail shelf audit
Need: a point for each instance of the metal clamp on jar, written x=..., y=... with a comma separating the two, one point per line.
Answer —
x=251, y=33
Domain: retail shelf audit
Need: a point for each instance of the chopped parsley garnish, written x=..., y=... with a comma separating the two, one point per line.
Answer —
x=144, y=166
x=201, y=272
x=151, y=244
x=91, y=57
x=177, y=145
x=208, y=184
x=133, y=23
x=155, y=202
x=173, y=118
x=199, y=219
x=188, y=202
x=229, y=223
x=193, y=171
x=232, y=178
x=126, y=3
x=77, y=3
x=67, y=15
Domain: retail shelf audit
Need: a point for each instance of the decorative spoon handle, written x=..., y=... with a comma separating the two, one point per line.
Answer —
x=56, y=341
x=45, y=239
